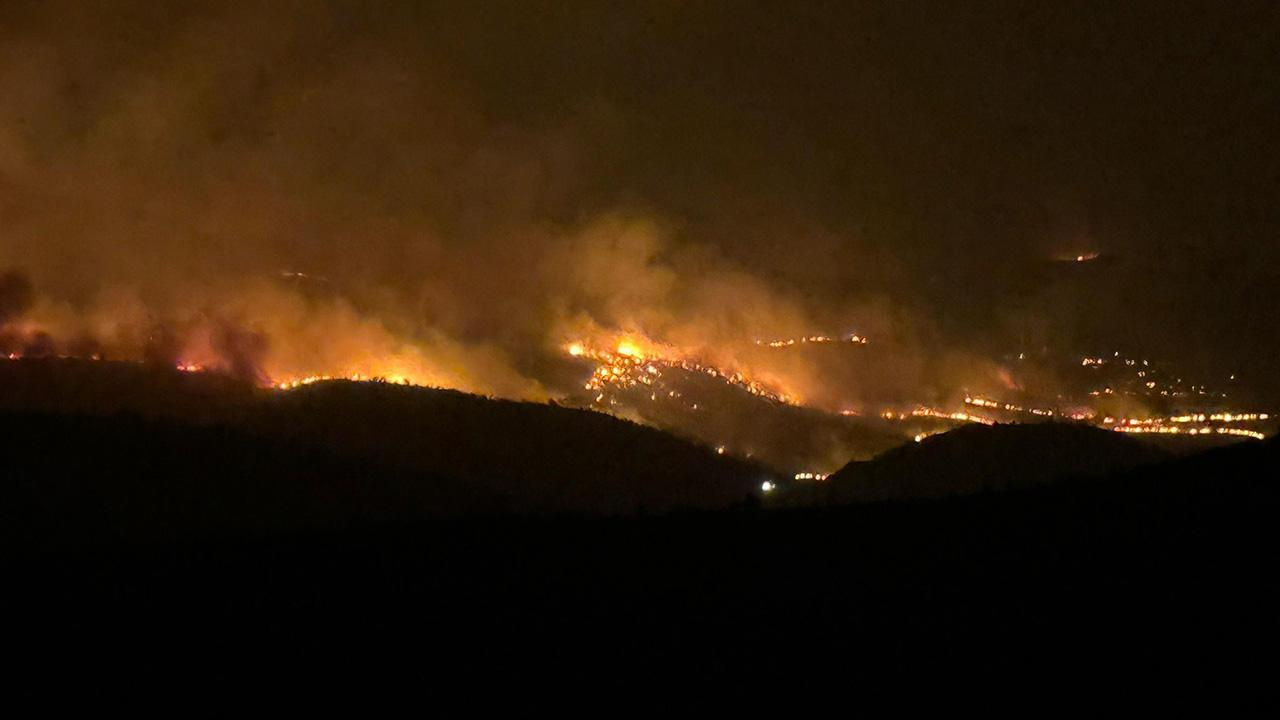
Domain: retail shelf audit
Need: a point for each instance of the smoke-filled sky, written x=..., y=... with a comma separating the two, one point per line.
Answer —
x=468, y=186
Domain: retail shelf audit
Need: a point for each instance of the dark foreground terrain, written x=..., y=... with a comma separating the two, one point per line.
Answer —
x=145, y=556
x=463, y=453
x=976, y=459
x=1166, y=575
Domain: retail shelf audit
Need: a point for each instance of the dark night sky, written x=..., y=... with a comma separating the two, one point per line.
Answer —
x=930, y=158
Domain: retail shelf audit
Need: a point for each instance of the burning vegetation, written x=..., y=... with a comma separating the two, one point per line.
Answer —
x=286, y=208
x=629, y=364
x=277, y=338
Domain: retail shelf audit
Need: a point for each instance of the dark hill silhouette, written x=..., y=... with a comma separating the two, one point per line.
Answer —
x=778, y=435
x=304, y=537
x=977, y=458
x=71, y=386
x=498, y=456
x=77, y=480
x=537, y=458
x=1157, y=575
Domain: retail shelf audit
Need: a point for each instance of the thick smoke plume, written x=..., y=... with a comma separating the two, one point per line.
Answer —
x=285, y=196
x=452, y=193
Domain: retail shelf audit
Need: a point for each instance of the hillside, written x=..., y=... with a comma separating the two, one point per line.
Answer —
x=84, y=480
x=1158, y=574
x=976, y=458
x=384, y=516
x=537, y=458
x=500, y=456
x=713, y=411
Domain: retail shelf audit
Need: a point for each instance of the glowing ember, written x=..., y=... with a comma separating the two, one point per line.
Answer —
x=1211, y=423
x=957, y=416
x=1175, y=430
x=814, y=339
x=630, y=365
x=355, y=377
x=635, y=362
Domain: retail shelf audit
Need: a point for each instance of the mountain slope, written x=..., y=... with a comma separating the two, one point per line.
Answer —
x=977, y=458
x=498, y=456
x=537, y=458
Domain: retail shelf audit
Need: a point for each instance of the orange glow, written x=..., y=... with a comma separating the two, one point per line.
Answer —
x=814, y=339
x=630, y=349
x=634, y=362
x=1175, y=430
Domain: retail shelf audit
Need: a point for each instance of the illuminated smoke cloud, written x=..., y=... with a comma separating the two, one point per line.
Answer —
x=285, y=191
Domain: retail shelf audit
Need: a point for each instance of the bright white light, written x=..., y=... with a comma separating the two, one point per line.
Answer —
x=767, y=486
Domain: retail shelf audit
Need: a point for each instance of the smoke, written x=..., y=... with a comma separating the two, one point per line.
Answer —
x=314, y=189
x=16, y=295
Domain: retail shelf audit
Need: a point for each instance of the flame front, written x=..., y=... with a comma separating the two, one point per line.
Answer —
x=635, y=361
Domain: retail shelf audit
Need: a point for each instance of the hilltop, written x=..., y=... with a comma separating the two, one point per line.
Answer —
x=976, y=458
x=1160, y=572
x=406, y=450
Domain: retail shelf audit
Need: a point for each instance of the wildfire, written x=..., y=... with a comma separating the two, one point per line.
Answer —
x=1039, y=412
x=354, y=377
x=636, y=362
x=814, y=339
x=1175, y=430
x=628, y=348
x=1078, y=257
x=1224, y=417
x=287, y=384
x=633, y=363
x=1212, y=423
x=957, y=416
